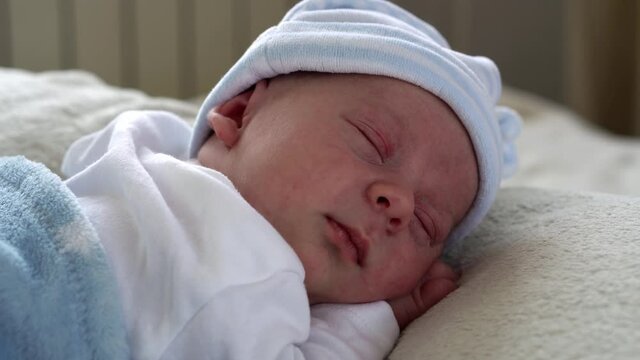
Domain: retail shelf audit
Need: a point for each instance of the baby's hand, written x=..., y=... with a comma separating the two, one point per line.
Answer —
x=440, y=280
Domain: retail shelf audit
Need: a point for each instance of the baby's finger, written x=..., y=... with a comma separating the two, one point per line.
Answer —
x=440, y=269
x=435, y=290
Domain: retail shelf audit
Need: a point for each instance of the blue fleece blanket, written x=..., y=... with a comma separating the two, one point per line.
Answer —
x=58, y=298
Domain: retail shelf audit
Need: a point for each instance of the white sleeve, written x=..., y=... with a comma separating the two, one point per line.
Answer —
x=253, y=314
x=268, y=320
x=161, y=131
x=346, y=331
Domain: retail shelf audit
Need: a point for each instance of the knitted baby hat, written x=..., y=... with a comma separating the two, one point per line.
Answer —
x=379, y=38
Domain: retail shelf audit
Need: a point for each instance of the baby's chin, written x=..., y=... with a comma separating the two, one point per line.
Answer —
x=338, y=297
x=332, y=298
x=336, y=292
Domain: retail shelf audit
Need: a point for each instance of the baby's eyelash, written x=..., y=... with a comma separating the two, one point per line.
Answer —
x=370, y=134
x=425, y=221
x=372, y=144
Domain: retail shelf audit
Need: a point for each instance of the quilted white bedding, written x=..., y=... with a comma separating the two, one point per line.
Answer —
x=553, y=272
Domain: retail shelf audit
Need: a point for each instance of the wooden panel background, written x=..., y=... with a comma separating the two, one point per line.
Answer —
x=35, y=34
x=98, y=47
x=180, y=48
x=603, y=63
x=176, y=48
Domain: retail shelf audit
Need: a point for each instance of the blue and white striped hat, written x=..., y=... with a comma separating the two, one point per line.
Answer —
x=379, y=38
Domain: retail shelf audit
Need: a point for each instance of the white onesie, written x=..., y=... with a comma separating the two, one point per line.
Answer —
x=202, y=274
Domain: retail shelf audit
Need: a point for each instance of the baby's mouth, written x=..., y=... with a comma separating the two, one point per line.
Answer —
x=353, y=246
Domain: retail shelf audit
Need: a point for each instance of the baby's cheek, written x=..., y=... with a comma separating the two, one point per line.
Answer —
x=397, y=280
x=408, y=267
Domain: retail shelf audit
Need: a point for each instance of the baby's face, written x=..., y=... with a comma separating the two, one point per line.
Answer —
x=364, y=176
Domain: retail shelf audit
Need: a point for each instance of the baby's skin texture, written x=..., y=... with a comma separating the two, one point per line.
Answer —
x=364, y=176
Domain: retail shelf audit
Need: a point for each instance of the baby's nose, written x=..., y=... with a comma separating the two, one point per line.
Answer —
x=394, y=201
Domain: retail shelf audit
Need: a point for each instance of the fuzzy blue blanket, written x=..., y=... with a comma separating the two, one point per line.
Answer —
x=58, y=298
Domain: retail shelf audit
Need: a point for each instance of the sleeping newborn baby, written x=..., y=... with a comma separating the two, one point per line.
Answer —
x=365, y=191
x=305, y=213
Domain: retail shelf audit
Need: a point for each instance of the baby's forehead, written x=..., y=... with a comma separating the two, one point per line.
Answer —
x=398, y=105
x=405, y=110
x=376, y=88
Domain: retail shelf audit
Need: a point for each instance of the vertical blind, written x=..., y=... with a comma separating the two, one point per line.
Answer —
x=175, y=48
x=588, y=56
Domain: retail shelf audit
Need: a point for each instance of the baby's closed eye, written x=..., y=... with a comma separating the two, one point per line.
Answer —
x=425, y=228
x=373, y=144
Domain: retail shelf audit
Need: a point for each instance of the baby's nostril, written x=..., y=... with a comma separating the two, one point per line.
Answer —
x=383, y=201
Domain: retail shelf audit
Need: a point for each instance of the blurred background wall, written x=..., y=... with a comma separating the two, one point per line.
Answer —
x=581, y=53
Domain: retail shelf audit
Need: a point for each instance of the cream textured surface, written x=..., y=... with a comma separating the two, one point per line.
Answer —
x=558, y=150
x=42, y=114
x=550, y=274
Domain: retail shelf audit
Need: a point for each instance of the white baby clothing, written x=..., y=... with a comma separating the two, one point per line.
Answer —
x=201, y=274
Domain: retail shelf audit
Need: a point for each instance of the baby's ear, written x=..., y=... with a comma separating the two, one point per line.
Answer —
x=227, y=119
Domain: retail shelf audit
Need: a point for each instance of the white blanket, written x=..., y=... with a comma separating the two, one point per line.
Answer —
x=549, y=274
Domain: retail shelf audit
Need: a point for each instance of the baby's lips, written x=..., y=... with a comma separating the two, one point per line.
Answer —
x=361, y=243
